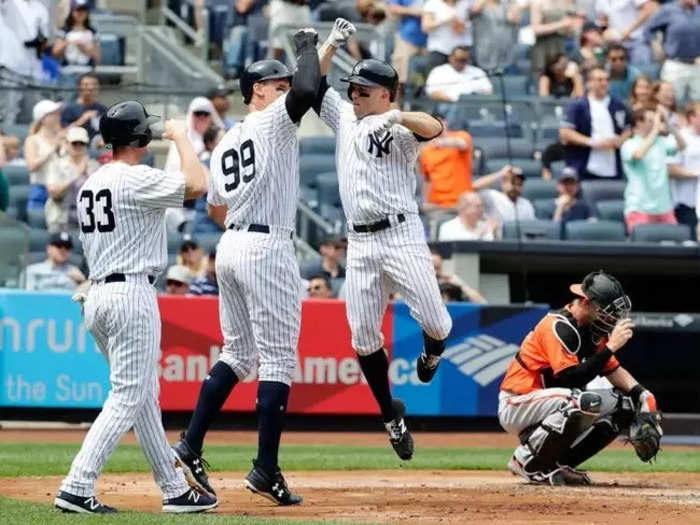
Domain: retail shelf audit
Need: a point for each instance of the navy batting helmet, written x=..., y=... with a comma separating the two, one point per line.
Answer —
x=260, y=71
x=127, y=124
x=606, y=293
x=373, y=72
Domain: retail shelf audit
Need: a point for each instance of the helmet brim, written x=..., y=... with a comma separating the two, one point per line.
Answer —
x=360, y=81
x=277, y=76
x=577, y=289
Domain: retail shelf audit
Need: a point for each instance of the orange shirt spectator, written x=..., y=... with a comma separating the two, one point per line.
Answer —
x=446, y=164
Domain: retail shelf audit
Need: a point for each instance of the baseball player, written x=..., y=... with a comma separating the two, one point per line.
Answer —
x=376, y=155
x=121, y=210
x=253, y=195
x=543, y=398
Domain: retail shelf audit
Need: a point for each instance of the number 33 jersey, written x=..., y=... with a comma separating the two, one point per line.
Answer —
x=255, y=169
x=121, y=210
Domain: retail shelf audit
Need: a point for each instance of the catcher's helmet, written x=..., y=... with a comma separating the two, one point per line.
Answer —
x=127, y=124
x=260, y=71
x=373, y=72
x=606, y=293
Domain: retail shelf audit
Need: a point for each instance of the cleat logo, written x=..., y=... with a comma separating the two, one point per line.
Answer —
x=92, y=503
x=483, y=358
x=193, y=495
x=278, y=489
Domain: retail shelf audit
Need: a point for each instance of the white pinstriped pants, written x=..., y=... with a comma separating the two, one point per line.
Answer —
x=125, y=322
x=259, y=303
x=394, y=259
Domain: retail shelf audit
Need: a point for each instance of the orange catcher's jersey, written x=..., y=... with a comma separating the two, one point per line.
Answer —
x=555, y=344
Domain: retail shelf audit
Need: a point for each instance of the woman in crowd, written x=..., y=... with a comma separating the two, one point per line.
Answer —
x=41, y=148
x=553, y=21
x=496, y=24
x=65, y=177
x=641, y=93
x=560, y=78
x=446, y=22
x=78, y=46
x=591, y=52
x=664, y=95
x=192, y=258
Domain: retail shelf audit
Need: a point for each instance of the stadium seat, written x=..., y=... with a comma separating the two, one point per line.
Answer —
x=36, y=218
x=495, y=129
x=544, y=208
x=658, y=232
x=313, y=164
x=514, y=85
x=38, y=239
x=594, y=231
x=317, y=145
x=207, y=241
x=21, y=131
x=602, y=190
x=328, y=191
x=531, y=168
x=174, y=241
x=417, y=75
x=532, y=229
x=520, y=148
x=539, y=189
x=612, y=210
x=16, y=174
x=18, y=198
x=111, y=50
x=552, y=108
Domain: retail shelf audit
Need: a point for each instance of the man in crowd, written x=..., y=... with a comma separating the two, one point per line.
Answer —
x=320, y=287
x=593, y=129
x=624, y=20
x=410, y=38
x=568, y=205
x=177, y=280
x=645, y=158
x=55, y=273
x=207, y=284
x=450, y=81
x=332, y=255
x=219, y=98
x=622, y=75
x=685, y=171
x=469, y=225
x=508, y=204
x=86, y=110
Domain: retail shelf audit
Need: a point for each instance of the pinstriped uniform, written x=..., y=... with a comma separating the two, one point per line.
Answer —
x=123, y=317
x=376, y=175
x=259, y=282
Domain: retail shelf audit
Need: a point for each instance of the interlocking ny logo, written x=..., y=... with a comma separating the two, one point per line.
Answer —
x=381, y=144
x=483, y=357
x=278, y=489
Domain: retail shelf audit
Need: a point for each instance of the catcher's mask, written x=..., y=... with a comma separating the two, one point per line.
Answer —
x=608, y=297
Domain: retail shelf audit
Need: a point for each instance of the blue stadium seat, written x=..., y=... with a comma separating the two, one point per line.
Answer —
x=602, y=190
x=552, y=108
x=532, y=229
x=16, y=174
x=531, y=168
x=36, y=218
x=207, y=241
x=38, y=239
x=77, y=245
x=612, y=210
x=544, y=208
x=540, y=189
x=520, y=148
x=313, y=164
x=111, y=49
x=594, y=231
x=317, y=145
x=657, y=232
x=18, y=198
x=514, y=85
x=21, y=131
x=174, y=241
x=496, y=129
x=328, y=191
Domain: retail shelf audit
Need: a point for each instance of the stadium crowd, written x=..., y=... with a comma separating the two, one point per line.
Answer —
x=624, y=76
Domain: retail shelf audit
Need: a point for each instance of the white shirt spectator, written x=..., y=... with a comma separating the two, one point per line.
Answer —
x=621, y=14
x=456, y=230
x=48, y=277
x=444, y=38
x=453, y=83
x=601, y=162
x=28, y=18
x=685, y=191
x=500, y=207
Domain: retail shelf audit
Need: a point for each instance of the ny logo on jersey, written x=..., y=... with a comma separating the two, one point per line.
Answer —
x=381, y=143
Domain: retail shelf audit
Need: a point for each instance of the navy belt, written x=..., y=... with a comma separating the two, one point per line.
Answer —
x=377, y=226
x=121, y=278
x=257, y=228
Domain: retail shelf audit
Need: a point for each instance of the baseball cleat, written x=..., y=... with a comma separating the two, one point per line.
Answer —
x=570, y=476
x=556, y=478
x=71, y=503
x=273, y=487
x=189, y=502
x=426, y=366
x=193, y=466
x=399, y=436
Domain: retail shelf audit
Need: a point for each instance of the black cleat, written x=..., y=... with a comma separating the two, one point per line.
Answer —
x=273, y=487
x=71, y=503
x=193, y=466
x=426, y=366
x=399, y=436
x=190, y=502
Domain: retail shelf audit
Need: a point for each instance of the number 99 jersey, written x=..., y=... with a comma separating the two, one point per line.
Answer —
x=121, y=210
x=255, y=169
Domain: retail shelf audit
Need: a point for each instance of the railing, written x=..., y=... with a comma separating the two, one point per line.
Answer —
x=201, y=40
x=307, y=219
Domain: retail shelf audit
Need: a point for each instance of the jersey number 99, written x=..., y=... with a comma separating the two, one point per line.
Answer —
x=232, y=164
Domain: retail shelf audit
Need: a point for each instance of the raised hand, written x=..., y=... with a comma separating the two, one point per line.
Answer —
x=305, y=37
x=342, y=32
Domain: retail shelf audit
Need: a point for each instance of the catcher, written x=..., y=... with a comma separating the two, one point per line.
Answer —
x=543, y=399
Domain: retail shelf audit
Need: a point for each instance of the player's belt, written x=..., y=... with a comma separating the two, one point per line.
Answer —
x=257, y=228
x=377, y=226
x=121, y=278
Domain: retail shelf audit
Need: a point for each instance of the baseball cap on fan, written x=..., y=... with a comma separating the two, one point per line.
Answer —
x=61, y=239
x=80, y=4
x=43, y=108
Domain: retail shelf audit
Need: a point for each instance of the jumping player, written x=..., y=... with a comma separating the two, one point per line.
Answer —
x=121, y=209
x=543, y=398
x=376, y=155
x=253, y=195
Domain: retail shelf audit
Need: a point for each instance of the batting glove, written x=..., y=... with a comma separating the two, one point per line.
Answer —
x=342, y=32
x=387, y=120
x=305, y=37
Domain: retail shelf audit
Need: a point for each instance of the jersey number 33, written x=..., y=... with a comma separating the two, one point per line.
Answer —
x=97, y=213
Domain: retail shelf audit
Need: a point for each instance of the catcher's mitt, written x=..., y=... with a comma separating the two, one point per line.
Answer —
x=645, y=435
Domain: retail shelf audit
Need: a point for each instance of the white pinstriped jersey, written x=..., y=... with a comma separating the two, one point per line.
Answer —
x=121, y=210
x=376, y=174
x=255, y=169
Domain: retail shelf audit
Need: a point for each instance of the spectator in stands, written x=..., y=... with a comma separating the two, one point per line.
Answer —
x=664, y=95
x=641, y=93
x=507, y=204
x=191, y=258
x=450, y=81
x=30, y=21
x=41, y=148
x=680, y=23
x=86, y=111
x=55, y=273
x=622, y=75
x=553, y=21
x=569, y=206
x=320, y=287
x=78, y=47
x=242, y=46
x=285, y=12
x=645, y=156
x=560, y=78
x=445, y=279
x=590, y=52
x=201, y=115
x=65, y=177
x=211, y=138
x=410, y=39
x=551, y=154
x=207, y=284
x=447, y=25
x=451, y=293
x=177, y=280
x=496, y=25
x=624, y=20
x=332, y=250
x=593, y=129
x=685, y=171
x=9, y=148
x=218, y=96
x=470, y=224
